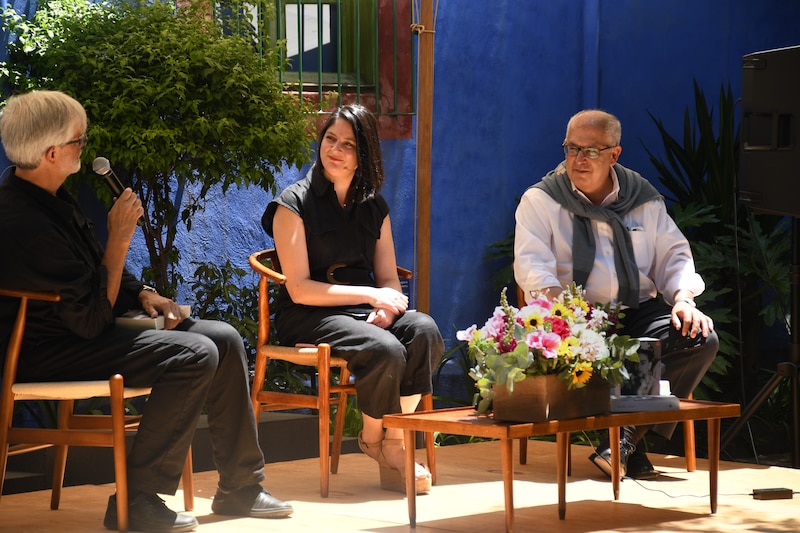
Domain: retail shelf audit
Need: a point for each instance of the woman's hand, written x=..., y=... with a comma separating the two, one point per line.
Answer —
x=389, y=304
x=381, y=318
x=391, y=300
x=690, y=321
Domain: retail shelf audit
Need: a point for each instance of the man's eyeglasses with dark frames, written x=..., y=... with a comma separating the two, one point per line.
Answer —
x=81, y=141
x=588, y=153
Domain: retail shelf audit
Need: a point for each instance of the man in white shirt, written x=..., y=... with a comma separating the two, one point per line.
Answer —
x=605, y=227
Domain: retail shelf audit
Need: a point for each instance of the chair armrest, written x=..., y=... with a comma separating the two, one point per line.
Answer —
x=404, y=273
x=31, y=295
x=257, y=260
x=257, y=264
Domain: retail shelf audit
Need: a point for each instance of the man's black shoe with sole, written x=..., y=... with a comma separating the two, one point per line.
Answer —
x=251, y=501
x=148, y=512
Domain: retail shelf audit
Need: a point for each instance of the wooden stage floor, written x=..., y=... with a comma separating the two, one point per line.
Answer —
x=467, y=498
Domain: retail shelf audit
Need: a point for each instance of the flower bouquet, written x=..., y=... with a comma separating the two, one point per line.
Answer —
x=566, y=337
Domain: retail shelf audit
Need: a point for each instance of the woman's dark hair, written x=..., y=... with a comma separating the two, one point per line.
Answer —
x=369, y=176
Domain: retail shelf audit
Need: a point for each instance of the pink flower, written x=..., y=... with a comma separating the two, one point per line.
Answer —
x=495, y=326
x=547, y=342
x=542, y=303
x=468, y=334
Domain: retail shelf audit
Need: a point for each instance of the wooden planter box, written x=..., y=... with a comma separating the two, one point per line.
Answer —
x=543, y=398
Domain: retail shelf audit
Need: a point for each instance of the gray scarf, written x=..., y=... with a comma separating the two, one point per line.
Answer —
x=634, y=190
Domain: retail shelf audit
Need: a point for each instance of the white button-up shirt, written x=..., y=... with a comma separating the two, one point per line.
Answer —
x=543, y=249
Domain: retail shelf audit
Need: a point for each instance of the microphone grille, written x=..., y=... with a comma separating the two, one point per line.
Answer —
x=101, y=165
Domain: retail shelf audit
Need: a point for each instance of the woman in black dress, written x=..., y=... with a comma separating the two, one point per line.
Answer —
x=334, y=241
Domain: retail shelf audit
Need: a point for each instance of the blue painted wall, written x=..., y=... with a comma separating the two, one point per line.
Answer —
x=508, y=75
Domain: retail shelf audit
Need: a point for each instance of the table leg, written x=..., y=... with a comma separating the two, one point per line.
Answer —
x=431, y=454
x=411, y=482
x=507, y=460
x=613, y=442
x=713, y=460
x=688, y=446
x=569, y=455
x=562, y=450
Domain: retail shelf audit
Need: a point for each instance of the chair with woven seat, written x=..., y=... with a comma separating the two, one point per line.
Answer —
x=330, y=391
x=72, y=429
x=690, y=451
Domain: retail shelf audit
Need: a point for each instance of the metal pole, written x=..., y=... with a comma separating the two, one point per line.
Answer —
x=794, y=278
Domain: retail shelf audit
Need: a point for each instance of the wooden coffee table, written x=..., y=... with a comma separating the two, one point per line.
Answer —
x=465, y=421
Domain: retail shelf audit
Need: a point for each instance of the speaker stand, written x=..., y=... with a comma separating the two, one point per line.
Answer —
x=786, y=370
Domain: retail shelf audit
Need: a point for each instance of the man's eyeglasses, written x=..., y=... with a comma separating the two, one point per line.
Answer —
x=81, y=141
x=588, y=153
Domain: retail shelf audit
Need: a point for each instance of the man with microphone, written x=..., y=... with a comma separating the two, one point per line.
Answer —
x=47, y=244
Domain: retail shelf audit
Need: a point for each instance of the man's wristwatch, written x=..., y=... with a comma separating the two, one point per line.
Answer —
x=148, y=288
x=687, y=300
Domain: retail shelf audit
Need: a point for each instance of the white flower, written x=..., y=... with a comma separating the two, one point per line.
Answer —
x=593, y=345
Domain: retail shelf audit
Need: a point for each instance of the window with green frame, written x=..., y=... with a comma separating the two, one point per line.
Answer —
x=358, y=49
x=330, y=43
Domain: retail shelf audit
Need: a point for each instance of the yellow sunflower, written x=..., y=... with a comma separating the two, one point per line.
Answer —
x=579, y=302
x=582, y=373
x=533, y=321
x=562, y=311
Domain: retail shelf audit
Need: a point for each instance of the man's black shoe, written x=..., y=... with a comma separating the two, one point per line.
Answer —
x=640, y=467
x=147, y=512
x=602, y=457
x=251, y=501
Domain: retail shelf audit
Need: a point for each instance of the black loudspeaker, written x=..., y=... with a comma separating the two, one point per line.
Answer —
x=769, y=169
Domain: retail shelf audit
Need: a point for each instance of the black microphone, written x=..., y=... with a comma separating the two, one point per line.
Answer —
x=102, y=167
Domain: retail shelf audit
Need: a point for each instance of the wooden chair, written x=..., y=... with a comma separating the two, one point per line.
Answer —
x=329, y=391
x=690, y=451
x=73, y=429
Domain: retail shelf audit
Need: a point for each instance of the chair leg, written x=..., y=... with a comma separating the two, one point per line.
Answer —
x=188, y=482
x=66, y=408
x=59, y=467
x=3, y=464
x=120, y=450
x=6, y=412
x=324, y=404
x=338, y=422
x=324, y=444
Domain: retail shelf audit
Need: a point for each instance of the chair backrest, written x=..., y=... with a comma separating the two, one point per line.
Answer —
x=265, y=263
x=11, y=362
x=520, y=297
